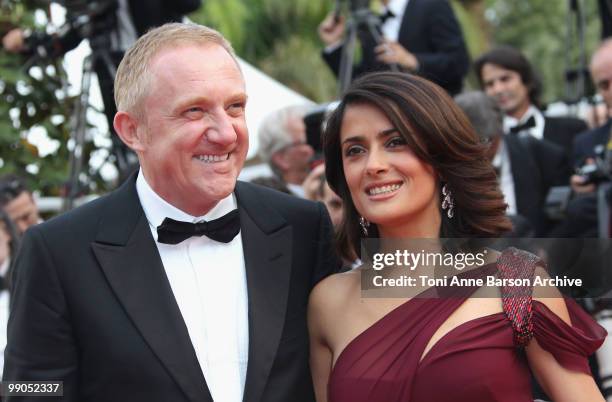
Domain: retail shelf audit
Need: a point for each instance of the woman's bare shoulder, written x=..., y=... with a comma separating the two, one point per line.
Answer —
x=328, y=302
x=336, y=290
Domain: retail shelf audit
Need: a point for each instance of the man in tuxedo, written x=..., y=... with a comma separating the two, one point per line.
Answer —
x=181, y=285
x=421, y=36
x=506, y=75
x=526, y=168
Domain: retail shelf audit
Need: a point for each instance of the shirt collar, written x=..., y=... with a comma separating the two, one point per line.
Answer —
x=510, y=121
x=157, y=209
x=296, y=190
x=499, y=155
x=397, y=7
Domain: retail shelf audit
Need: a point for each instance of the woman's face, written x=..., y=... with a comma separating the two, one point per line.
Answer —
x=389, y=185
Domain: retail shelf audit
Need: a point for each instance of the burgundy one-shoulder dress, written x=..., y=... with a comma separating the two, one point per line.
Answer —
x=477, y=361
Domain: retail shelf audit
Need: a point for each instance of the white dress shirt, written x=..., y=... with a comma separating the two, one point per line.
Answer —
x=391, y=27
x=208, y=280
x=296, y=190
x=502, y=163
x=537, y=131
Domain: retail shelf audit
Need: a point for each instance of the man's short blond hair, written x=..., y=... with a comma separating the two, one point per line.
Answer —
x=604, y=49
x=133, y=76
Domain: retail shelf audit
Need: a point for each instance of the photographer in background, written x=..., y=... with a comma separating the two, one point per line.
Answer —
x=588, y=143
x=111, y=27
x=421, y=36
x=592, y=158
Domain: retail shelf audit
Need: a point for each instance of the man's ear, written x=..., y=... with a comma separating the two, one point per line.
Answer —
x=126, y=126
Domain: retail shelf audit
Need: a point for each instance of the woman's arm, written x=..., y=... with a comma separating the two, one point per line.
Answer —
x=320, y=353
x=560, y=383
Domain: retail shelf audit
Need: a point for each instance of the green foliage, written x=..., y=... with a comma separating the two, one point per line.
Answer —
x=297, y=63
x=277, y=36
x=34, y=100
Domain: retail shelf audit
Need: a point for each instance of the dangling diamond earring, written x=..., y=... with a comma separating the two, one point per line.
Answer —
x=448, y=204
x=363, y=222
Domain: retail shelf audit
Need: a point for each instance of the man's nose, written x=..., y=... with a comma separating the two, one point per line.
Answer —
x=497, y=86
x=221, y=131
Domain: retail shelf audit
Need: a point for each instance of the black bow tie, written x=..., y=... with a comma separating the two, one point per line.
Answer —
x=529, y=123
x=384, y=17
x=223, y=229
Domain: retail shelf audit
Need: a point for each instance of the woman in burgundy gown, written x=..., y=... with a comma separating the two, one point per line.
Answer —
x=407, y=164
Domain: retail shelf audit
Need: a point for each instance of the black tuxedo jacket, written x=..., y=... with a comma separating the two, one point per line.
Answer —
x=430, y=31
x=536, y=166
x=585, y=143
x=562, y=131
x=93, y=306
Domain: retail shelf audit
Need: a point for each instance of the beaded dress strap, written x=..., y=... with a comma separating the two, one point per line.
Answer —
x=517, y=300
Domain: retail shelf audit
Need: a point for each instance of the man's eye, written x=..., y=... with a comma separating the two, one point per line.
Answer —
x=195, y=111
x=237, y=107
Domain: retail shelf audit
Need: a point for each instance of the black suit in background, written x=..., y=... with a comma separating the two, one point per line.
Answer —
x=93, y=306
x=536, y=166
x=585, y=143
x=562, y=131
x=582, y=218
x=430, y=31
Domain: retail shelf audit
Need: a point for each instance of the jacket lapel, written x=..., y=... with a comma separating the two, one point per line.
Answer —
x=410, y=26
x=525, y=175
x=267, y=241
x=129, y=258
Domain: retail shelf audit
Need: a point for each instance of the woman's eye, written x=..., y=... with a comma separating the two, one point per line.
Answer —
x=353, y=150
x=396, y=142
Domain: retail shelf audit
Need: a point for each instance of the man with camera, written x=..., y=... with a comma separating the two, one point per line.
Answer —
x=591, y=145
x=587, y=213
x=420, y=36
x=111, y=26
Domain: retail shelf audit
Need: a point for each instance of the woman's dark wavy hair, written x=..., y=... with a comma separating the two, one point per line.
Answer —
x=439, y=134
x=512, y=59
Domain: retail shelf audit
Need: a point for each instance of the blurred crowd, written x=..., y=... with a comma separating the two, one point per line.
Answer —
x=554, y=172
